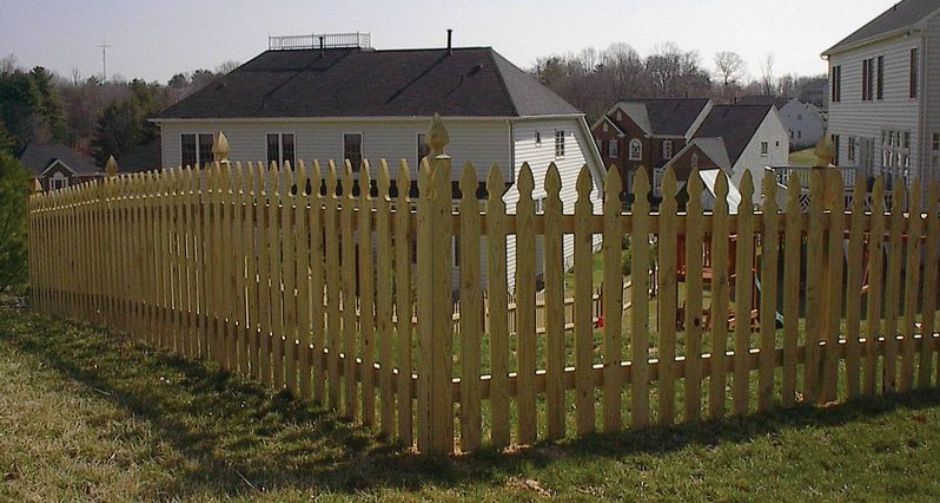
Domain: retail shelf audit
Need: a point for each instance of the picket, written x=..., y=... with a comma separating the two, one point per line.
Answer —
x=584, y=322
x=718, y=309
x=743, y=289
x=769, y=256
x=613, y=301
x=668, y=299
x=525, y=307
x=554, y=306
x=928, y=325
x=694, y=234
x=875, y=273
x=471, y=295
x=912, y=251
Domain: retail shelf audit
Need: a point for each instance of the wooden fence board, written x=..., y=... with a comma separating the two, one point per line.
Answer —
x=554, y=307
x=584, y=322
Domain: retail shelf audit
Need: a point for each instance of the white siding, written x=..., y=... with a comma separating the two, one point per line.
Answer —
x=804, y=121
x=931, y=86
x=483, y=142
x=539, y=157
x=775, y=134
x=897, y=111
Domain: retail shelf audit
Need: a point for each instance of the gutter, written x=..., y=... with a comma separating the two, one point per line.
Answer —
x=174, y=120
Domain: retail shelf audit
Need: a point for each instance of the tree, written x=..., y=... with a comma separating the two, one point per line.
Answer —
x=50, y=106
x=767, y=75
x=124, y=125
x=19, y=103
x=730, y=67
x=14, y=190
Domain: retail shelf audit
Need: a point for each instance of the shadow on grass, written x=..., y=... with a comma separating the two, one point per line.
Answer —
x=230, y=436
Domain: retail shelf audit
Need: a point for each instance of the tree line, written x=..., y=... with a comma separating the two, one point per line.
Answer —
x=593, y=80
x=95, y=117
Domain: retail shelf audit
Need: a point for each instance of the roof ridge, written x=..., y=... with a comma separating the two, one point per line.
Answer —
x=502, y=80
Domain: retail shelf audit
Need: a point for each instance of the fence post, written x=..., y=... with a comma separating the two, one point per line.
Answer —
x=434, y=308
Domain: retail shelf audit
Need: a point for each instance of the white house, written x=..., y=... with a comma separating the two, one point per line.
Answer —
x=884, y=112
x=804, y=122
x=344, y=100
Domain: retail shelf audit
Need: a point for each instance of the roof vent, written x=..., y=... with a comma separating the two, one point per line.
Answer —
x=320, y=41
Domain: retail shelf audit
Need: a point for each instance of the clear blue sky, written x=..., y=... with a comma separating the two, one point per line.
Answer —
x=155, y=39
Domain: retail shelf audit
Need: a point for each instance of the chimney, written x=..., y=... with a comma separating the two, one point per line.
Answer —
x=450, y=49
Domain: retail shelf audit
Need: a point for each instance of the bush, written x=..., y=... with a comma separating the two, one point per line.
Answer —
x=14, y=190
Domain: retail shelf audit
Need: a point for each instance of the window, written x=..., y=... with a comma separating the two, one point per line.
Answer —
x=867, y=79
x=763, y=149
x=777, y=144
x=791, y=134
x=58, y=181
x=281, y=149
x=851, y=152
x=835, y=94
x=352, y=149
x=196, y=149
x=835, y=144
x=560, y=143
x=538, y=138
x=880, y=83
x=613, y=148
x=423, y=148
x=636, y=150
x=915, y=56
x=667, y=149
x=936, y=142
x=799, y=134
x=694, y=160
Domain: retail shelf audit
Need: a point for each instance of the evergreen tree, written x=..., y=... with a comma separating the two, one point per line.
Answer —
x=14, y=190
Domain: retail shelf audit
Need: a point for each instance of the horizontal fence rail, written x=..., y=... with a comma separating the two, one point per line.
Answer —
x=303, y=279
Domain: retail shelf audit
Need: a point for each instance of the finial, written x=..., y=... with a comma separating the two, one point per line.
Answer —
x=111, y=167
x=825, y=151
x=220, y=148
x=437, y=137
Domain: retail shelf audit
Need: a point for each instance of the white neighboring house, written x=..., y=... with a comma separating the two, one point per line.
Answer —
x=884, y=112
x=804, y=122
x=735, y=139
x=354, y=102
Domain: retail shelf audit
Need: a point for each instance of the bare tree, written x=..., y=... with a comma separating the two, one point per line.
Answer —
x=767, y=75
x=730, y=67
x=227, y=67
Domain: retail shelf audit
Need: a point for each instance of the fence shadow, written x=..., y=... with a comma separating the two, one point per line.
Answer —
x=235, y=437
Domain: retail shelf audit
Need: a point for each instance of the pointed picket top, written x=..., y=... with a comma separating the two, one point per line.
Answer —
x=525, y=182
x=552, y=180
x=438, y=138
x=220, y=147
x=236, y=179
x=384, y=182
x=913, y=205
x=111, y=167
x=424, y=179
x=403, y=182
x=746, y=206
x=612, y=188
x=331, y=180
x=669, y=188
x=495, y=183
x=770, y=192
x=585, y=184
x=348, y=180
x=695, y=188
x=300, y=178
x=365, y=180
x=897, y=198
x=825, y=151
x=257, y=178
x=468, y=186
x=878, y=196
x=316, y=178
x=721, y=192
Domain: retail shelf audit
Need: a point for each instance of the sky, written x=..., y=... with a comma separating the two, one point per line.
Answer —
x=157, y=39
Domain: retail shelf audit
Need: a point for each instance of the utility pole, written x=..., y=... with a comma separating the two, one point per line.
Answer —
x=104, y=60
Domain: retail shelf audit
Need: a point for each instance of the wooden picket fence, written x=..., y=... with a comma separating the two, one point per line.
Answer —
x=280, y=275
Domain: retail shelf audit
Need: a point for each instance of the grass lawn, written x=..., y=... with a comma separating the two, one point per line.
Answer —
x=85, y=415
x=805, y=157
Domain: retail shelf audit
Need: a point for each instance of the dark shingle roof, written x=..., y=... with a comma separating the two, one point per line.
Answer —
x=671, y=116
x=901, y=15
x=472, y=82
x=146, y=157
x=37, y=157
x=735, y=124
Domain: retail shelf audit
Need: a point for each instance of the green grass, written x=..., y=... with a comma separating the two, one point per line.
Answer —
x=88, y=415
x=805, y=157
